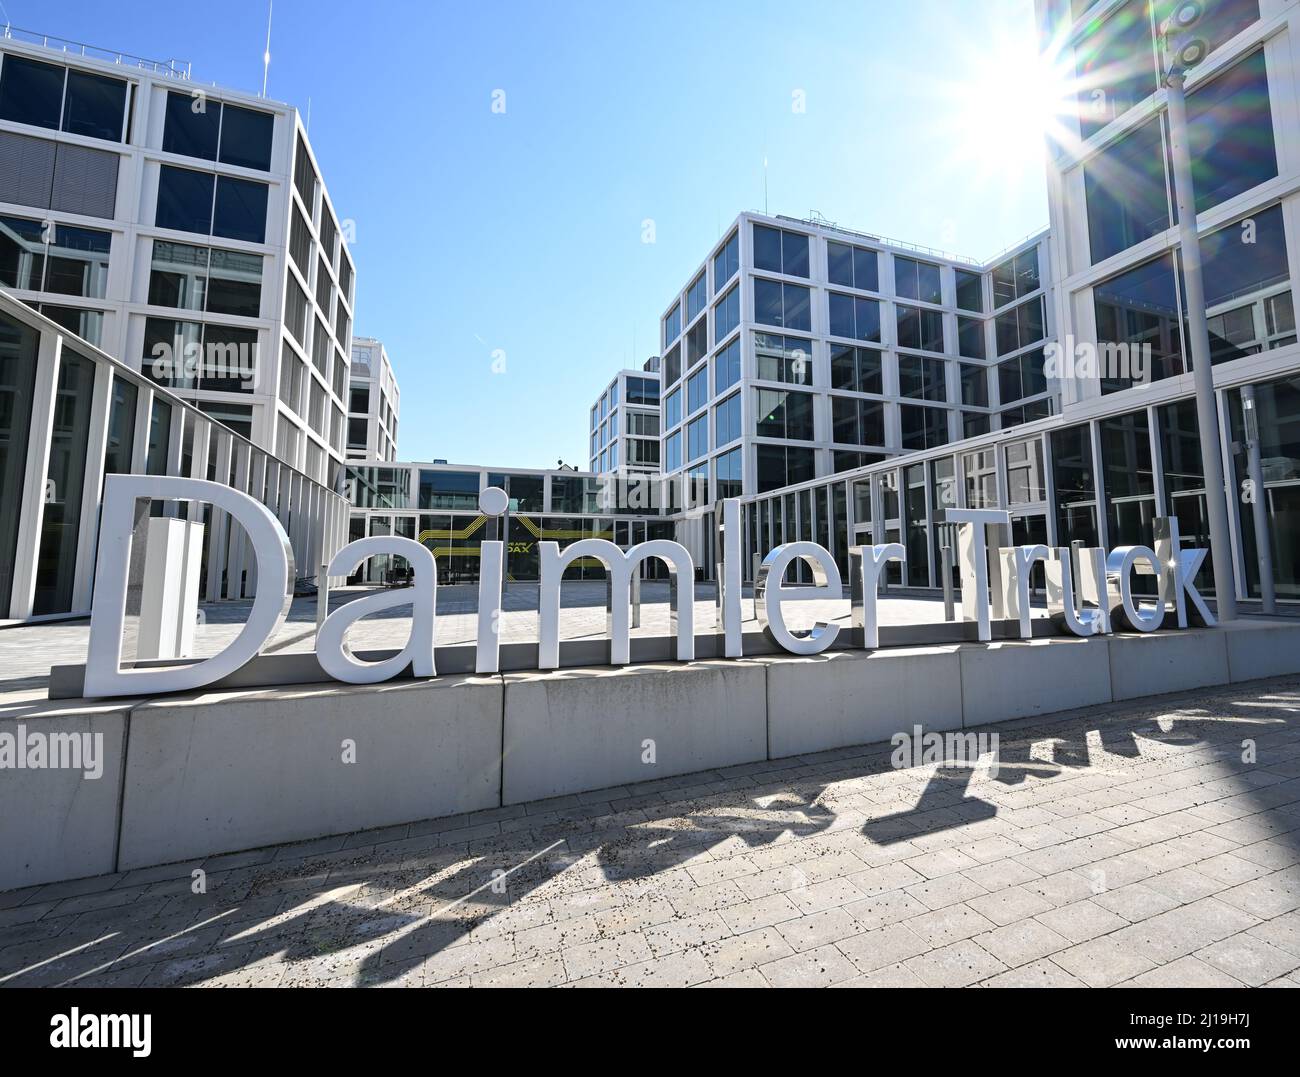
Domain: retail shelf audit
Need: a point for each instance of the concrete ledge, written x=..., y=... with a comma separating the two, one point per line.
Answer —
x=210, y=774
x=58, y=824
x=842, y=698
x=1155, y=663
x=575, y=730
x=1263, y=648
x=1001, y=681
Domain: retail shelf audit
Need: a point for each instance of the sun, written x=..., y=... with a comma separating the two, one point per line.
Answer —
x=1000, y=106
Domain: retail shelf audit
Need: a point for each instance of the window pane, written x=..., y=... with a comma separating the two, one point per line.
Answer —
x=18, y=344
x=1115, y=66
x=95, y=107
x=246, y=137
x=190, y=126
x=1231, y=133
x=22, y=253
x=57, y=559
x=1134, y=309
x=235, y=283
x=1124, y=187
x=184, y=200
x=240, y=210
x=767, y=248
x=970, y=291
x=30, y=92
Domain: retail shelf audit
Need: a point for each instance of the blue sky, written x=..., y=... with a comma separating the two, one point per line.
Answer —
x=522, y=231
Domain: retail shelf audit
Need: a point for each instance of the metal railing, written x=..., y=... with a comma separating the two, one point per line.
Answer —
x=177, y=69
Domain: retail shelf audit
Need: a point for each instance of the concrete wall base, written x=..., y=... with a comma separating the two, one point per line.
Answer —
x=192, y=776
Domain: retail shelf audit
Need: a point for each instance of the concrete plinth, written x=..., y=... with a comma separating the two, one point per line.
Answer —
x=217, y=773
x=1148, y=664
x=579, y=729
x=59, y=823
x=1017, y=679
x=841, y=698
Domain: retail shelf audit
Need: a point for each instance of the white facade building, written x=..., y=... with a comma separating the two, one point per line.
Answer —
x=624, y=433
x=374, y=403
x=799, y=349
x=185, y=229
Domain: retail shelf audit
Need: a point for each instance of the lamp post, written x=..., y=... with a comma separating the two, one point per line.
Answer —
x=1181, y=50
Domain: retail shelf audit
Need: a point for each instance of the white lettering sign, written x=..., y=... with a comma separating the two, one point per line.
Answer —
x=1088, y=593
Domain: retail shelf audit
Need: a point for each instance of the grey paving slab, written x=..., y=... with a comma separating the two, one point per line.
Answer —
x=1155, y=858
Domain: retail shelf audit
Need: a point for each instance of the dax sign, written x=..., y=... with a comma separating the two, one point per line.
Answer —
x=1088, y=592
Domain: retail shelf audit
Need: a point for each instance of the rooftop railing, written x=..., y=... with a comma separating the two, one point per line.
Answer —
x=177, y=69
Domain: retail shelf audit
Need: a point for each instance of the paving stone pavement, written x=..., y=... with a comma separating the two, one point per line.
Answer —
x=1152, y=844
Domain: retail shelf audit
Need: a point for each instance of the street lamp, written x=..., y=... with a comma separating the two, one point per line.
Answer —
x=1182, y=48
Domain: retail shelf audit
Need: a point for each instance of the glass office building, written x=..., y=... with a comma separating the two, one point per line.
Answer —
x=185, y=229
x=800, y=349
x=437, y=505
x=624, y=434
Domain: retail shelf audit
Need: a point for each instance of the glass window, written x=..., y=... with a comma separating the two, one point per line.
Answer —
x=726, y=420
x=240, y=211
x=917, y=280
x=1015, y=278
x=920, y=329
x=672, y=365
x=726, y=315
x=854, y=267
x=726, y=261
x=1124, y=187
x=857, y=422
x=726, y=367
x=18, y=348
x=449, y=489
x=970, y=337
x=785, y=305
x=858, y=369
x=697, y=390
x=673, y=408
x=246, y=137
x=22, y=253
x=779, y=251
x=1138, y=308
x=56, y=563
x=1116, y=68
x=974, y=386
x=727, y=470
x=31, y=92
x=673, y=452
x=923, y=427
x=697, y=438
x=95, y=106
x=190, y=125
x=854, y=317
x=1231, y=133
x=1026, y=479
x=184, y=200
x=921, y=378
x=235, y=283
x=1020, y=327
x=970, y=291
x=787, y=359
x=673, y=324
x=1127, y=473
x=783, y=465
x=784, y=414
x=121, y=427
x=1072, y=476
x=696, y=296
x=1021, y=377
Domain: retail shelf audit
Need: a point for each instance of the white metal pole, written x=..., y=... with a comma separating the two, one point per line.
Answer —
x=1207, y=414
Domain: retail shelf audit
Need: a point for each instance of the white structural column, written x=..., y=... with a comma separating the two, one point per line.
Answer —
x=96, y=446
